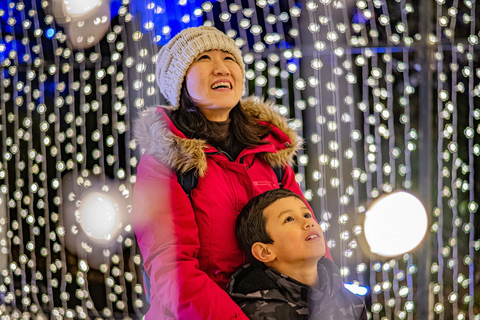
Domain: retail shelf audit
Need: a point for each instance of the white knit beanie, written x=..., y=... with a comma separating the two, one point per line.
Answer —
x=175, y=57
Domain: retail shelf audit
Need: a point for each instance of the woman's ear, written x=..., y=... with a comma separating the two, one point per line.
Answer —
x=261, y=251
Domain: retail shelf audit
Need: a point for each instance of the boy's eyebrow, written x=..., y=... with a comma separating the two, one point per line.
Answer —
x=288, y=210
x=283, y=212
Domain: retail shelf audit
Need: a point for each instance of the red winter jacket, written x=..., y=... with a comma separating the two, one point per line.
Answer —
x=189, y=248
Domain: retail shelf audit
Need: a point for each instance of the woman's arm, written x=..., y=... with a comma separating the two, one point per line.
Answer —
x=167, y=234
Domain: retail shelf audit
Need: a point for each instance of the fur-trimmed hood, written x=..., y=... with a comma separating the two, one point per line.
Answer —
x=153, y=133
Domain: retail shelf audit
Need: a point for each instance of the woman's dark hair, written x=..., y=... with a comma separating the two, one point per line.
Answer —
x=191, y=121
x=251, y=225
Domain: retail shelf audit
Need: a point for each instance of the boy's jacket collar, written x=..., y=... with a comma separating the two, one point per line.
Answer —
x=156, y=135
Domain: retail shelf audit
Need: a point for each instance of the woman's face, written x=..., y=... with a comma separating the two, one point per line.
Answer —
x=215, y=83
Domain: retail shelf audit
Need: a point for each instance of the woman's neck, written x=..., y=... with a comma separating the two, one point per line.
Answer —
x=216, y=115
x=221, y=127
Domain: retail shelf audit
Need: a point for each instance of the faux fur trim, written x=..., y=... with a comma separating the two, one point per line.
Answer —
x=154, y=137
x=266, y=111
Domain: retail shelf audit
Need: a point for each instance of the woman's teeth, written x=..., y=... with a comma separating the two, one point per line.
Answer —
x=219, y=85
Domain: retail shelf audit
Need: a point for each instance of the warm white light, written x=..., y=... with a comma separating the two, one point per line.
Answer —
x=99, y=216
x=395, y=224
x=3, y=233
x=76, y=7
x=85, y=22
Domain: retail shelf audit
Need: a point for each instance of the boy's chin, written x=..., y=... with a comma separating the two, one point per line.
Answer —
x=319, y=255
x=314, y=259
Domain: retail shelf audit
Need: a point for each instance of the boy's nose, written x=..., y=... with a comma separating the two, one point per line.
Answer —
x=308, y=224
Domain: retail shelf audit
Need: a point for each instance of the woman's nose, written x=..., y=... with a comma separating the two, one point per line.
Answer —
x=221, y=68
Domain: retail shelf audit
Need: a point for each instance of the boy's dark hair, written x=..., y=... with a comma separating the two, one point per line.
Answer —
x=251, y=222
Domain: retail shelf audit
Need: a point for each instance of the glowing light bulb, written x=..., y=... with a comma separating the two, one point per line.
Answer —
x=395, y=224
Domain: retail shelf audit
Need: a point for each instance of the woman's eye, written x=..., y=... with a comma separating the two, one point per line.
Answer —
x=230, y=58
x=308, y=215
x=203, y=57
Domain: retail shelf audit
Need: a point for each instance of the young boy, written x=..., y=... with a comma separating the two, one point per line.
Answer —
x=288, y=277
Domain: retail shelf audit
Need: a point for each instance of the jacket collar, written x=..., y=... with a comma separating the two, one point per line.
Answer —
x=253, y=282
x=156, y=135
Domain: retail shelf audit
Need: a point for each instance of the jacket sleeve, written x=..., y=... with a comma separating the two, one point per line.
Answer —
x=291, y=184
x=167, y=234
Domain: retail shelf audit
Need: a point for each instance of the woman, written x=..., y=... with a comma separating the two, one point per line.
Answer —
x=188, y=244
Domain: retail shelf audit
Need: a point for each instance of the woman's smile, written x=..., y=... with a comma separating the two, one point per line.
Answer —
x=222, y=85
x=214, y=82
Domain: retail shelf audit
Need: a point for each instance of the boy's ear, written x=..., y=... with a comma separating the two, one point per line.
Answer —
x=261, y=251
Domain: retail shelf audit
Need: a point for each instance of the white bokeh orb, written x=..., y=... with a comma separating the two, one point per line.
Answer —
x=395, y=224
x=99, y=216
x=79, y=7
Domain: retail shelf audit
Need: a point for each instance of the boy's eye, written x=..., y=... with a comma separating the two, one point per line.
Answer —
x=288, y=219
x=308, y=215
x=229, y=58
x=203, y=57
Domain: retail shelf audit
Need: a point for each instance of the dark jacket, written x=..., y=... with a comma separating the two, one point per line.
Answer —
x=264, y=294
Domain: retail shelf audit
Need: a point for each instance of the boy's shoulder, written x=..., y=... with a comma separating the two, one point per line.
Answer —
x=261, y=292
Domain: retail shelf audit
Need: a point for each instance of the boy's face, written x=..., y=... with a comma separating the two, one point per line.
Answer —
x=296, y=235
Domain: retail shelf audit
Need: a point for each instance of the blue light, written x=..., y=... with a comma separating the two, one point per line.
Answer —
x=158, y=14
x=379, y=49
x=359, y=18
x=4, y=7
x=15, y=45
x=357, y=289
x=50, y=33
x=114, y=7
x=284, y=44
x=49, y=87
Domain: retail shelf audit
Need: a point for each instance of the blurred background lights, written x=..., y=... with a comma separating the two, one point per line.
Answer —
x=85, y=21
x=78, y=7
x=349, y=75
x=395, y=224
x=99, y=216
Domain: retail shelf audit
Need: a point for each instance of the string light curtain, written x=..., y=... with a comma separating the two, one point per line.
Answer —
x=65, y=133
x=383, y=92
x=393, y=92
